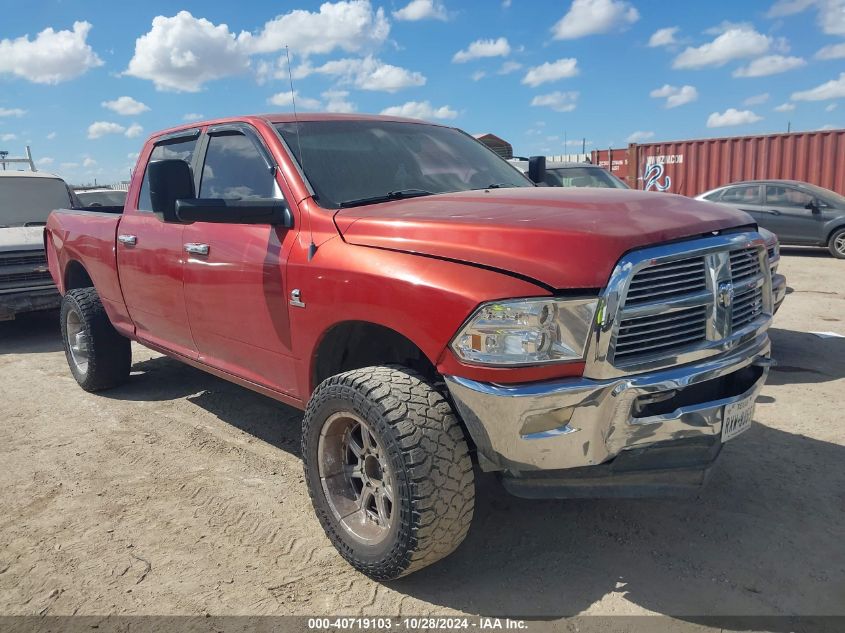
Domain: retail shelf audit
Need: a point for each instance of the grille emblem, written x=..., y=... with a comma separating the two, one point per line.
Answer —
x=726, y=294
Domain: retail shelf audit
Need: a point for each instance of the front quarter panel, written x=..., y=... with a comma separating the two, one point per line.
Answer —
x=423, y=298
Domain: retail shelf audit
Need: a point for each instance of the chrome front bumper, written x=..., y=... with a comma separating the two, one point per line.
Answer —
x=778, y=290
x=588, y=422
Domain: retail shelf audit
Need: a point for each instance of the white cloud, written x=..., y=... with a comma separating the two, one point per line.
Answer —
x=51, y=136
x=734, y=43
x=101, y=128
x=368, y=73
x=183, y=52
x=769, y=65
x=551, y=71
x=8, y=137
x=732, y=116
x=478, y=75
x=588, y=17
x=785, y=107
x=663, y=37
x=17, y=112
x=134, y=131
x=834, y=51
x=756, y=99
x=88, y=162
x=337, y=101
x=640, y=136
x=509, y=67
x=45, y=162
x=675, y=96
x=350, y=26
x=830, y=17
x=133, y=156
x=483, y=48
x=422, y=10
x=69, y=165
x=420, y=110
x=193, y=116
x=833, y=89
x=50, y=58
x=126, y=106
x=557, y=101
x=830, y=107
x=285, y=100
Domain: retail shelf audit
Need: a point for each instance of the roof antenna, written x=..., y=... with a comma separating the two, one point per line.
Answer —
x=312, y=247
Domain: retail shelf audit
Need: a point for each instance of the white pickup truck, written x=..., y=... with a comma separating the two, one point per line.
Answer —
x=26, y=199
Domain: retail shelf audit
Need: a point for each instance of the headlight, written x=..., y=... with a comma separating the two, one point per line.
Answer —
x=526, y=332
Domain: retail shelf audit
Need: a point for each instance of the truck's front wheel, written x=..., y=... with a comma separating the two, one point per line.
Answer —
x=388, y=470
x=99, y=357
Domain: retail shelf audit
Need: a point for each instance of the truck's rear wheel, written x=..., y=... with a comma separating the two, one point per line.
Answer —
x=99, y=357
x=388, y=470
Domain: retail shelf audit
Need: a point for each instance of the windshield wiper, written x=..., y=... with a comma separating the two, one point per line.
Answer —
x=390, y=195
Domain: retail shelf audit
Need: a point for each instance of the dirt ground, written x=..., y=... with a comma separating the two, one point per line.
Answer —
x=179, y=493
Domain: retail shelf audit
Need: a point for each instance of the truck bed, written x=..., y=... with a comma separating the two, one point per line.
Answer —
x=86, y=237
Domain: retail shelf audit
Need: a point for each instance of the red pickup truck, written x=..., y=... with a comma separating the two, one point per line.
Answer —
x=432, y=311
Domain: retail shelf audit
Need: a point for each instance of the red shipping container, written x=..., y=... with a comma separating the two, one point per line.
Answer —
x=695, y=166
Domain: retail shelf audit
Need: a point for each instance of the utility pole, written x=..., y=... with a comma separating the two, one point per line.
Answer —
x=788, y=127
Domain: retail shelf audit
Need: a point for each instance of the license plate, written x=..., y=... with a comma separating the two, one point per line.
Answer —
x=736, y=418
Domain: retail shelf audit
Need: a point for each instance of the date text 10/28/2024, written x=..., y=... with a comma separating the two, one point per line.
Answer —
x=420, y=623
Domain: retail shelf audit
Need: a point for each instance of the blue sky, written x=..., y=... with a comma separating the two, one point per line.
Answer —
x=84, y=83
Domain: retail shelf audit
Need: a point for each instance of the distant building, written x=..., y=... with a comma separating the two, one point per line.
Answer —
x=498, y=145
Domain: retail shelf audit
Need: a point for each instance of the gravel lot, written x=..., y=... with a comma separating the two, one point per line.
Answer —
x=179, y=493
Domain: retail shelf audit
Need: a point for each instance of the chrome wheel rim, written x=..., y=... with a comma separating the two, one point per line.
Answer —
x=356, y=478
x=77, y=341
x=839, y=244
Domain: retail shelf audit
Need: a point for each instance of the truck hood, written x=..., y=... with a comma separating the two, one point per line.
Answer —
x=561, y=237
x=21, y=238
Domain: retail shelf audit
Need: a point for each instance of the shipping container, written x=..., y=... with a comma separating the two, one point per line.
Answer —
x=616, y=160
x=695, y=166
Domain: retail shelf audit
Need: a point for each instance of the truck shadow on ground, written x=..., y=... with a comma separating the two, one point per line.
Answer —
x=805, y=358
x=764, y=537
x=33, y=333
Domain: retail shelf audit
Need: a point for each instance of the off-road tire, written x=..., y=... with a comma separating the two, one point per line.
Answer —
x=838, y=236
x=427, y=453
x=109, y=353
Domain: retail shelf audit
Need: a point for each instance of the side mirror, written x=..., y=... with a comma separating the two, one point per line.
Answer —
x=537, y=169
x=814, y=205
x=170, y=180
x=220, y=211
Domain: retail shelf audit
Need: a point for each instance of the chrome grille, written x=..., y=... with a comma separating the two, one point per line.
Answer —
x=747, y=306
x=686, y=304
x=21, y=269
x=745, y=265
x=17, y=278
x=667, y=281
x=23, y=259
x=660, y=333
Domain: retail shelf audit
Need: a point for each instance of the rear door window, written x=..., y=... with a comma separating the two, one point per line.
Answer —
x=744, y=194
x=178, y=148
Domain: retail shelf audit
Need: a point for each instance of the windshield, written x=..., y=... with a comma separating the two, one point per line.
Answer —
x=583, y=177
x=352, y=161
x=101, y=198
x=28, y=201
